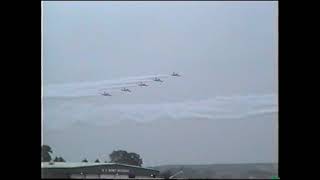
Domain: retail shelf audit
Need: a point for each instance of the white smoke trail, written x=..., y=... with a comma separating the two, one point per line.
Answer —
x=219, y=108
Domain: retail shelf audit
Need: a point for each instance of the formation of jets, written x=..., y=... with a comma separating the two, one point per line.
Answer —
x=141, y=84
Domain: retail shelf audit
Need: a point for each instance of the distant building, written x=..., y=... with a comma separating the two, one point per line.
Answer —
x=95, y=171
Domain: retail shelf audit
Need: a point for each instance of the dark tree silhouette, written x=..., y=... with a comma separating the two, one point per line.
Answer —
x=124, y=157
x=85, y=160
x=45, y=153
x=56, y=159
x=59, y=159
x=97, y=161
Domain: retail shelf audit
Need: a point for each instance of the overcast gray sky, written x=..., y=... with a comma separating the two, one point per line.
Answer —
x=226, y=98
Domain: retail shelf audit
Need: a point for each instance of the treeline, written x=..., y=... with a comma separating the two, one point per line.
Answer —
x=117, y=156
x=46, y=152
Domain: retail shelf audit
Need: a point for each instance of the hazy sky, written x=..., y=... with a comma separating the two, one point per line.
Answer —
x=226, y=52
